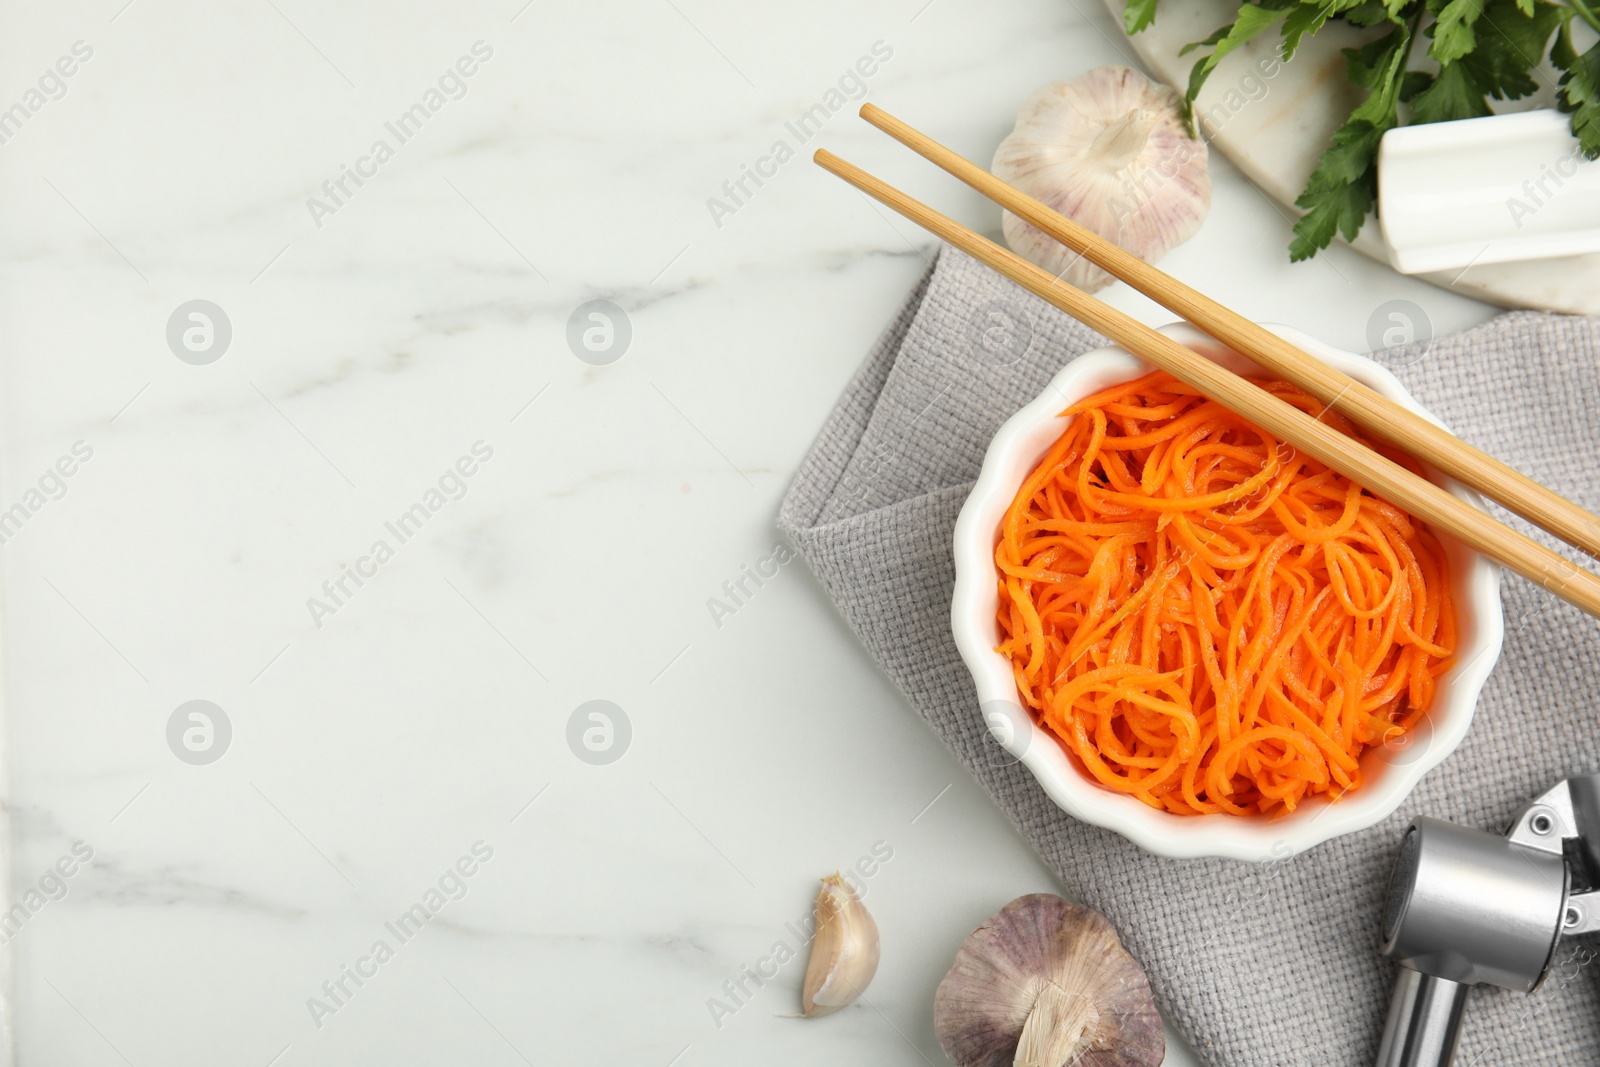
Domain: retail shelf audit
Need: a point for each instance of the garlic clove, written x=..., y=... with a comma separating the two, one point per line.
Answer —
x=844, y=950
x=1046, y=983
x=1111, y=150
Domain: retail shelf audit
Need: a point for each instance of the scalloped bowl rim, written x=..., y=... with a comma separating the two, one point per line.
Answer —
x=1015, y=450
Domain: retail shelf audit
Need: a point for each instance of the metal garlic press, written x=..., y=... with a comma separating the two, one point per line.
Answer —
x=1467, y=907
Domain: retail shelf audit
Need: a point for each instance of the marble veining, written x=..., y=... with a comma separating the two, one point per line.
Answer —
x=368, y=750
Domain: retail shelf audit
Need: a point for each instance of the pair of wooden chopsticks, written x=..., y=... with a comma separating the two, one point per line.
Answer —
x=1376, y=413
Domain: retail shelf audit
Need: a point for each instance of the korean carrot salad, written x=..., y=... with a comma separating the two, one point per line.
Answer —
x=1208, y=619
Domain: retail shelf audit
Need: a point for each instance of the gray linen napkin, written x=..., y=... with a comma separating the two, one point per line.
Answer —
x=1257, y=963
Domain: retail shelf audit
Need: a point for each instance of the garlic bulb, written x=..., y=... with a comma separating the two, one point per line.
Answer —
x=1043, y=984
x=844, y=951
x=1111, y=151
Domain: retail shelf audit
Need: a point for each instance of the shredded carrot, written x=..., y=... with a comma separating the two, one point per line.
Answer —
x=1209, y=620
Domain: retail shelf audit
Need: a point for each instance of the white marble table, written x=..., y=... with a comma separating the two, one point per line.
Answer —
x=376, y=340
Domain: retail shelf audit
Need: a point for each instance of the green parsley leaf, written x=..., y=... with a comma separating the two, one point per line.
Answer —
x=1138, y=14
x=1370, y=13
x=1378, y=67
x=1347, y=161
x=1452, y=94
x=1509, y=44
x=1562, y=54
x=1413, y=82
x=1344, y=186
x=1305, y=20
x=1216, y=36
x=1481, y=50
x=1343, y=211
x=1452, y=32
x=1580, y=97
x=1524, y=27
x=1253, y=18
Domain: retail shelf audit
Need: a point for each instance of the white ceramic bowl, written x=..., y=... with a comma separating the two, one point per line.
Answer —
x=1389, y=772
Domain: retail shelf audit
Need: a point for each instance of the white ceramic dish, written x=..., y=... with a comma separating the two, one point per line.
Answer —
x=1389, y=773
x=1499, y=189
x=1273, y=120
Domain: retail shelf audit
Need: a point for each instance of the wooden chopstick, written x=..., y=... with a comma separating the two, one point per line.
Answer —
x=1375, y=412
x=1417, y=495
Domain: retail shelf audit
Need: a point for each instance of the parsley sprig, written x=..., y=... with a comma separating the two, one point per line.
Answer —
x=1483, y=49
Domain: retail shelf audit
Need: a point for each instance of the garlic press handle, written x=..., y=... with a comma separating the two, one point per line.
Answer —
x=1424, y=1020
